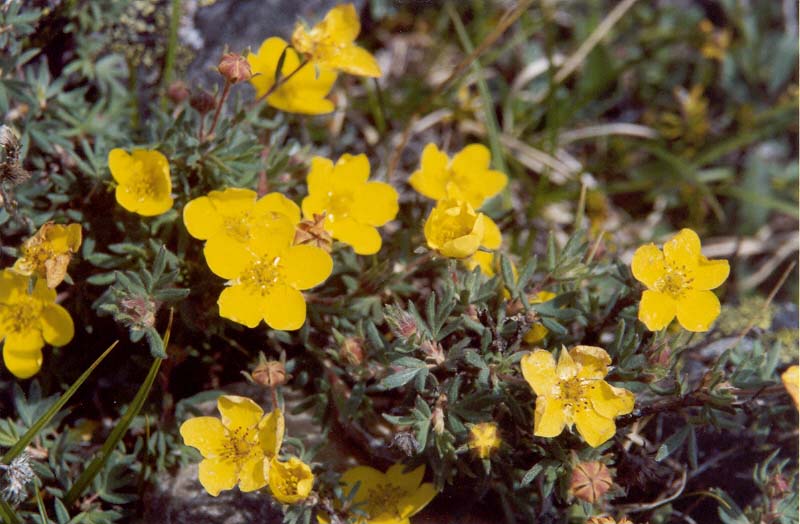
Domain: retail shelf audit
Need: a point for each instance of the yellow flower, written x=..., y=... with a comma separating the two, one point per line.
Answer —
x=608, y=520
x=330, y=43
x=266, y=276
x=238, y=447
x=678, y=283
x=353, y=207
x=455, y=230
x=234, y=215
x=388, y=498
x=47, y=253
x=574, y=392
x=537, y=332
x=27, y=321
x=484, y=439
x=304, y=92
x=467, y=176
x=791, y=381
x=144, y=185
x=290, y=481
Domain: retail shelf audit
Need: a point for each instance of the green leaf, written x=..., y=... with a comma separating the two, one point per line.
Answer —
x=673, y=443
x=401, y=378
x=531, y=475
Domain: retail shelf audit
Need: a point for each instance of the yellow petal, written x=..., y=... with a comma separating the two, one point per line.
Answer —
x=710, y=274
x=216, y=475
x=207, y=434
x=270, y=433
x=483, y=260
x=492, y=238
x=290, y=481
x=11, y=284
x=306, y=266
x=341, y=24
x=285, y=308
x=539, y=370
x=365, y=239
x=366, y=477
x=431, y=179
x=648, y=265
x=697, y=310
x=593, y=361
x=41, y=291
x=233, y=201
x=239, y=412
x=350, y=172
x=535, y=334
x=549, y=419
x=375, y=204
x=683, y=250
x=151, y=207
x=279, y=204
x=473, y=158
x=237, y=303
x=593, y=427
x=566, y=367
x=355, y=61
x=57, y=326
x=120, y=164
x=417, y=500
x=608, y=401
x=791, y=381
x=320, y=177
x=226, y=257
x=201, y=218
x=28, y=342
x=461, y=247
x=251, y=475
x=22, y=365
x=127, y=198
x=656, y=310
x=409, y=480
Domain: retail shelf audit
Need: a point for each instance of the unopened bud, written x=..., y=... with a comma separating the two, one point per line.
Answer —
x=401, y=322
x=177, y=92
x=270, y=374
x=202, y=102
x=433, y=352
x=590, y=481
x=235, y=68
x=437, y=417
x=405, y=442
x=141, y=311
x=352, y=350
x=777, y=486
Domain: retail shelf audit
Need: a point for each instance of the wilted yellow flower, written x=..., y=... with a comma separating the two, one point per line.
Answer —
x=353, y=206
x=331, y=43
x=391, y=497
x=48, y=253
x=234, y=215
x=791, y=381
x=484, y=439
x=678, y=282
x=467, y=176
x=574, y=392
x=537, y=332
x=27, y=321
x=692, y=124
x=455, y=230
x=238, y=448
x=266, y=276
x=304, y=92
x=290, y=481
x=144, y=185
x=716, y=41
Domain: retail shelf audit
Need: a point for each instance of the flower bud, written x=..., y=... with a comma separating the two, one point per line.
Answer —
x=177, y=92
x=313, y=233
x=352, y=350
x=235, y=68
x=401, y=322
x=433, y=351
x=271, y=374
x=203, y=102
x=590, y=481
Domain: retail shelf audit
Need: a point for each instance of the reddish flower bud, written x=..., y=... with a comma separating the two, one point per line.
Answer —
x=177, y=92
x=590, y=481
x=203, y=102
x=235, y=68
x=270, y=374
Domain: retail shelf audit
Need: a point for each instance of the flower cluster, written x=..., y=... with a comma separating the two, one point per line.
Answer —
x=310, y=65
x=459, y=186
x=242, y=447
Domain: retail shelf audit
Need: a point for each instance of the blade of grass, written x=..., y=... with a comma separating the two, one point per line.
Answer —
x=119, y=430
x=40, y=504
x=29, y=435
x=8, y=513
x=492, y=127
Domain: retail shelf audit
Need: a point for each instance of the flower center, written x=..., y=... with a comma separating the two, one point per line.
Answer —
x=453, y=226
x=142, y=188
x=288, y=483
x=675, y=282
x=339, y=205
x=239, y=445
x=384, y=499
x=262, y=275
x=20, y=316
x=574, y=393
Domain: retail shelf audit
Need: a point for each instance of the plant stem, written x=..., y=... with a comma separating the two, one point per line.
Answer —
x=225, y=91
x=282, y=80
x=172, y=44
